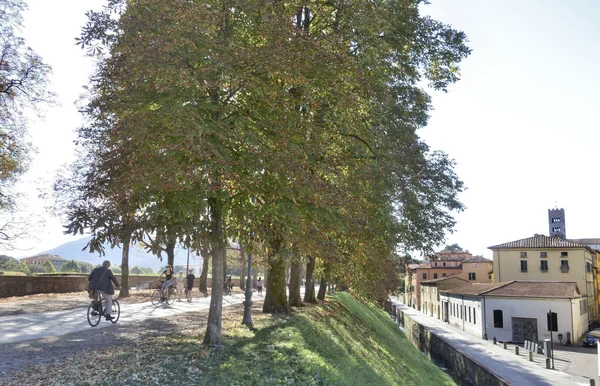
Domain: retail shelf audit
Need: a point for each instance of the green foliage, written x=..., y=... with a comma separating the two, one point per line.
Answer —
x=86, y=267
x=71, y=266
x=136, y=271
x=23, y=83
x=8, y=263
x=33, y=268
x=49, y=267
x=116, y=269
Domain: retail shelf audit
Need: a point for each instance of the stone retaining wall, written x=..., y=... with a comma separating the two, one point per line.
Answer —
x=31, y=285
x=440, y=351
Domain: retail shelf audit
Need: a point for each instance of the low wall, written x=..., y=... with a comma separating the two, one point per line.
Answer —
x=31, y=285
x=440, y=351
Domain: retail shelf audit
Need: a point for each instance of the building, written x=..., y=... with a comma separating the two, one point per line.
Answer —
x=517, y=310
x=556, y=223
x=430, y=293
x=477, y=269
x=548, y=259
x=463, y=307
x=431, y=270
x=57, y=261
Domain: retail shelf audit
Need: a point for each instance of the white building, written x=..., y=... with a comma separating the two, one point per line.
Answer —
x=517, y=310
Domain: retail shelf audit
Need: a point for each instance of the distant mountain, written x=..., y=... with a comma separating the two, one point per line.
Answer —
x=137, y=256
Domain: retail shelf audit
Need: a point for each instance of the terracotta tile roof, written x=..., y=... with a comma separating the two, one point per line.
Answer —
x=587, y=241
x=473, y=288
x=453, y=276
x=539, y=241
x=477, y=259
x=537, y=289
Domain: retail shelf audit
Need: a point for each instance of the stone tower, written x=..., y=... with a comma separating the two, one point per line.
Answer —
x=556, y=223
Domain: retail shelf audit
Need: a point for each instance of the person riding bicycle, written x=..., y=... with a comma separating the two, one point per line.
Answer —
x=101, y=279
x=168, y=272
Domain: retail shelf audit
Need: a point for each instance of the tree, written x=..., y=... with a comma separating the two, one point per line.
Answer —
x=190, y=125
x=86, y=267
x=71, y=266
x=23, y=85
x=49, y=266
x=36, y=269
x=8, y=263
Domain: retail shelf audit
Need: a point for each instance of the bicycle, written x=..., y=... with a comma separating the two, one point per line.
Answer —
x=159, y=296
x=96, y=308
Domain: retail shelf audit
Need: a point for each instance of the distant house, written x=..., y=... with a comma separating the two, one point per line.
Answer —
x=435, y=269
x=430, y=296
x=57, y=261
x=477, y=269
x=518, y=310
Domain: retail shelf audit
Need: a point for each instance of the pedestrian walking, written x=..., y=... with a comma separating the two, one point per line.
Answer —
x=190, y=284
x=259, y=285
x=179, y=285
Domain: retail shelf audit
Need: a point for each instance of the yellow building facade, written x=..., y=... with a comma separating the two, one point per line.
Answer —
x=546, y=258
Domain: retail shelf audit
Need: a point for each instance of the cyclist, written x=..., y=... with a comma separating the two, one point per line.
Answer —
x=168, y=272
x=101, y=279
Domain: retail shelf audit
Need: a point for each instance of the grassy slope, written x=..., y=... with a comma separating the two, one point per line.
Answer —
x=340, y=342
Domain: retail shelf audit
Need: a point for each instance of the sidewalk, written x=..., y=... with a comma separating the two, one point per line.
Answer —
x=512, y=369
x=22, y=327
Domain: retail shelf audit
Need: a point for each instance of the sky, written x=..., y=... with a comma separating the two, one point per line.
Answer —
x=519, y=124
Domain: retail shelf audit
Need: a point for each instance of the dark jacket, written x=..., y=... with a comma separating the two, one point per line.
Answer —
x=105, y=284
x=190, y=281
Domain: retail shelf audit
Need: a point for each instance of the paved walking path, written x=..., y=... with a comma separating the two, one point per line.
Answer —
x=513, y=369
x=18, y=328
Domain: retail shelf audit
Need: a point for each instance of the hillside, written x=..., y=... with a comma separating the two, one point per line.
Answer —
x=341, y=341
x=137, y=256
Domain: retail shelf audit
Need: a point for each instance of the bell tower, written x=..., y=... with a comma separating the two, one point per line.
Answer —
x=556, y=222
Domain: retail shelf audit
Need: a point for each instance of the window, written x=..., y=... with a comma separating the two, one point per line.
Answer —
x=544, y=265
x=564, y=254
x=498, y=322
x=471, y=275
x=435, y=264
x=425, y=276
x=543, y=254
x=474, y=320
x=555, y=219
x=469, y=314
x=523, y=265
x=474, y=265
x=564, y=265
x=443, y=264
x=555, y=229
x=435, y=275
x=552, y=321
x=582, y=307
x=490, y=277
x=588, y=267
x=523, y=254
x=443, y=275
x=461, y=312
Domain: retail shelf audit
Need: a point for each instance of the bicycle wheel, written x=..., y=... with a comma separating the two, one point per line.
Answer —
x=170, y=297
x=93, y=314
x=116, y=311
x=156, y=298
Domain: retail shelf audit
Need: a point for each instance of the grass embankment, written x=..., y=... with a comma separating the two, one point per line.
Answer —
x=339, y=342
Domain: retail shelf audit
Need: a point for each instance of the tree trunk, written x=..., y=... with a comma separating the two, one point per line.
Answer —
x=295, y=282
x=322, y=289
x=275, y=297
x=171, y=253
x=125, y=270
x=266, y=269
x=254, y=277
x=309, y=286
x=204, y=273
x=243, y=272
x=219, y=253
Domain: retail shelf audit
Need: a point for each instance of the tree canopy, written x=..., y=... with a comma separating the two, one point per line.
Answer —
x=291, y=126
